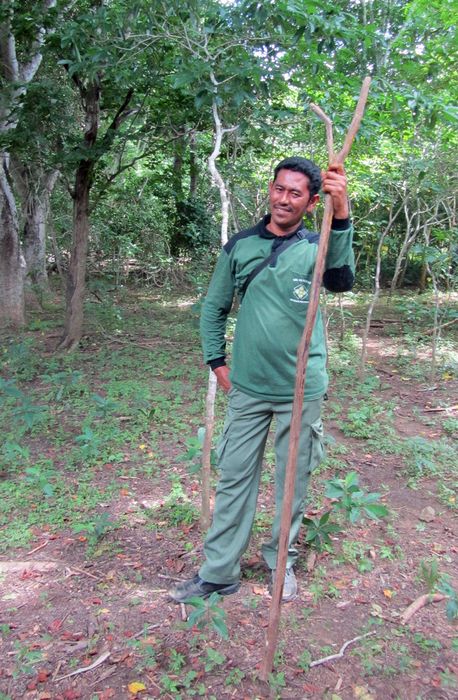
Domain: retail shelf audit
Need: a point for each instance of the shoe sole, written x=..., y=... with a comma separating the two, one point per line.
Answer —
x=229, y=590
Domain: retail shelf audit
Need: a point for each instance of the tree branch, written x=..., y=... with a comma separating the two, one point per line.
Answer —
x=28, y=70
x=128, y=165
x=419, y=603
x=340, y=654
x=9, y=64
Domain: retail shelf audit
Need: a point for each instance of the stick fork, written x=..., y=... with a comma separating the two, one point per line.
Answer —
x=302, y=358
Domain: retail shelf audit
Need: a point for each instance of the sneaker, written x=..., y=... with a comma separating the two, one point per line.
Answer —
x=289, y=586
x=197, y=587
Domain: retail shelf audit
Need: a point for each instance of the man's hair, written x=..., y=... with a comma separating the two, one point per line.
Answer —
x=304, y=166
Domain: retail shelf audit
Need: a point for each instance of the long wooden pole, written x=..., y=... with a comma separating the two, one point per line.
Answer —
x=301, y=365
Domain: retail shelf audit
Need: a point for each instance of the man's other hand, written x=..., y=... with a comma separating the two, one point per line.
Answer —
x=334, y=183
x=222, y=376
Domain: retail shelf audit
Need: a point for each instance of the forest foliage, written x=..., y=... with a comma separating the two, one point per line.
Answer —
x=111, y=109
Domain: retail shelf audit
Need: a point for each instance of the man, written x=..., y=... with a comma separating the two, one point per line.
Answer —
x=260, y=385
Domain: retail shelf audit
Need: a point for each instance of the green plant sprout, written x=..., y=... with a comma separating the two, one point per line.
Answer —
x=104, y=406
x=351, y=498
x=63, y=381
x=319, y=531
x=436, y=582
x=95, y=529
x=207, y=613
x=89, y=442
x=26, y=412
x=193, y=453
x=42, y=479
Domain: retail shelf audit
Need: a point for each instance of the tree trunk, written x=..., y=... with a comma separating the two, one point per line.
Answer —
x=193, y=166
x=76, y=280
x=218, y=181
x=35, y=188
x=16, y=72
x=423, y=277
x=34, y=244
x=378, y=267
x=178, y=240
x=35, y=231
x=12, y=264
x=177, y=174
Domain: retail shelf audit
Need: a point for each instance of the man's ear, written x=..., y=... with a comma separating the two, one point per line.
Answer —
x=313, y=201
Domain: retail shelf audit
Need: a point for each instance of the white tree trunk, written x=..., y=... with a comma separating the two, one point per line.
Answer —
x=412, y=230
x=378, y=267
x=12, y=264
x=35, y=188
x=212, y=384
x=216, y=175
x=15, y=73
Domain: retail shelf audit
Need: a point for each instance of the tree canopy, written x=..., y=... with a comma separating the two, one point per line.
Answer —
x=124, y=101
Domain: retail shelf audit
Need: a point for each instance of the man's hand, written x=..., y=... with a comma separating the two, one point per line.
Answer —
x=222, y=376
x=334, y=183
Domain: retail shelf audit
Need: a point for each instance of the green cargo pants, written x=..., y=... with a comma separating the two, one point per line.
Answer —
x=241, y=452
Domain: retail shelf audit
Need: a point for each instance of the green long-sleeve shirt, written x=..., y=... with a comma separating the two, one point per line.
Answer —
x=272, y=313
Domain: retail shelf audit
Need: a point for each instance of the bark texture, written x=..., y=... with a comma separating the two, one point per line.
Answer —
x=12, y=264
x=35, y=188
x=76, y=280
x=17, y=70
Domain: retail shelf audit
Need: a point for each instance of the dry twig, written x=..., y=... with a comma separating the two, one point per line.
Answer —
x=184, y=614
x=103, y=657
x=75, y=570
x=340, y=654
x=40, y=546
x=447, y=409
x=146, y=629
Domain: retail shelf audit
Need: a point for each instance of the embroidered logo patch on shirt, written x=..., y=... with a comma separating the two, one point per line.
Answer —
x=301, y=291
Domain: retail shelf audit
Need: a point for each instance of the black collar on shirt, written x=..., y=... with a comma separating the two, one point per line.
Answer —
x=265, y=233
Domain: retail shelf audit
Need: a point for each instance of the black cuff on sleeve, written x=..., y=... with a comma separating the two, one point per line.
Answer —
x=219, y=362
x=339, y=279
x=340, y=224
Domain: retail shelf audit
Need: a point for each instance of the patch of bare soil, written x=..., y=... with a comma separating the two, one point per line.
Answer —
x=103, y=627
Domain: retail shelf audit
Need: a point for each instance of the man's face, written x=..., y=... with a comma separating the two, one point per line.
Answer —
x=290, y=200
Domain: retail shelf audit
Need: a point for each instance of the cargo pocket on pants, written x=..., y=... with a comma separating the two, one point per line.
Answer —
x=220, y=448
x=318, y=451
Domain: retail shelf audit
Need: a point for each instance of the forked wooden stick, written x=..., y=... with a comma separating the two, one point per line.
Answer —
x=302, y=358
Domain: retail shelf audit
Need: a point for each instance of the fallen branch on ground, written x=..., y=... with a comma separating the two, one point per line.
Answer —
x=145, y=629
x=340, y=654
x=419, y=603
x=109, y=672
x=385, y=320
x=74, y=571
x=450, y=409
x=170, y=578
x=40, y=546
x=103, y=657
x=54, y=675
x=184, y=614
x=430, y=331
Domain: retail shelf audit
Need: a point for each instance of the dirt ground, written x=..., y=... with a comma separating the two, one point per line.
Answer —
x=82, y=622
